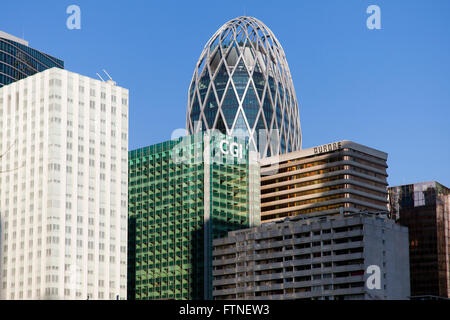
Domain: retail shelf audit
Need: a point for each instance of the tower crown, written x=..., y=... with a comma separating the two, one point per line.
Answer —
x=242, y=86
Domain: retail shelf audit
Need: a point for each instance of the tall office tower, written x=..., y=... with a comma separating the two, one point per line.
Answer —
x=18, y=60
x=63, y=187
x=358, y=256
x=321, y=180
x=182, y=194
x=425, y=209
x=242, y=86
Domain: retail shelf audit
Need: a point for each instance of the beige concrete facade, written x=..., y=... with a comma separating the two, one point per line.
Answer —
x=323, y=258
x=320, y=180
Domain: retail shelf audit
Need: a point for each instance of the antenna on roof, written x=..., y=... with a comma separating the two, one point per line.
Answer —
x=100, y=77
x=110, y=79
x=107, y=75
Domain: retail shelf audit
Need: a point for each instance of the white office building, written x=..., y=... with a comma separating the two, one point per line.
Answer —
x=63, y=188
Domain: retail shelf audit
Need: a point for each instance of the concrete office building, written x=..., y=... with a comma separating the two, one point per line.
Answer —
x=63, y=187
x=323, y=179
x=425, y=209
x=326, y=258
x=183, y=193
x=18, y=60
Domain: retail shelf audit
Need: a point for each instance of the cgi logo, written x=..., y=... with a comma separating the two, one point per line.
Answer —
x=232, y=148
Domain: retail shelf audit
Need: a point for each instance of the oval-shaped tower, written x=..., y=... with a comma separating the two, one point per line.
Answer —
x=242, y=86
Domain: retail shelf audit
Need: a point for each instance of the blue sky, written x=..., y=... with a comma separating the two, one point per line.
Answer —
x=388, y=89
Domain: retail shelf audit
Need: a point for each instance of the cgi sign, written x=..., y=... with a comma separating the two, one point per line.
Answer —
x=233, y=148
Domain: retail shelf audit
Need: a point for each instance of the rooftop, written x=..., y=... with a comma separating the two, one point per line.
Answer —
x=329, y=147
x=8, y=36
x=420, y=186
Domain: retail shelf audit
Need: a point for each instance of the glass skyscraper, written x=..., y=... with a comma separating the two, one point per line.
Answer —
x=183, y=194
x=242, y=86
x=18, y=60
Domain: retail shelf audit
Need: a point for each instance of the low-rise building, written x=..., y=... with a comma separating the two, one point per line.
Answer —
x=328, y=258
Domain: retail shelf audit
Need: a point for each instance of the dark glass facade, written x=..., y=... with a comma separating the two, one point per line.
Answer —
x=18, y=61
x=425, y=209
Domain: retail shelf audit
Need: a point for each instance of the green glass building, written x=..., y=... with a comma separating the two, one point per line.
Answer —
x=184, y=193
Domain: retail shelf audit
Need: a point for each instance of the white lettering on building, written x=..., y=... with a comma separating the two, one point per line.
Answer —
x=233, y=148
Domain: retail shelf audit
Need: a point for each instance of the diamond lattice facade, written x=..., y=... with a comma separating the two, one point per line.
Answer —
x=242, y=86
x=182, y=195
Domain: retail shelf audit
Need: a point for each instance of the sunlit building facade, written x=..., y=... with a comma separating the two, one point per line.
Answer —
x=184, y=193
x=63, y=188
x=322, y=180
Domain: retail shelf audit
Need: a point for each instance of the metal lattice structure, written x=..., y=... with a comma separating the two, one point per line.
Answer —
x=242, y=86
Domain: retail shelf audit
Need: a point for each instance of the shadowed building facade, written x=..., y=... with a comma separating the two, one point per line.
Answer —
x=425, y=209
x=323, y=258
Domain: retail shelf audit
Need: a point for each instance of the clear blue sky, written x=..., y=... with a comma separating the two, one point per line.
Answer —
x=388, y=89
